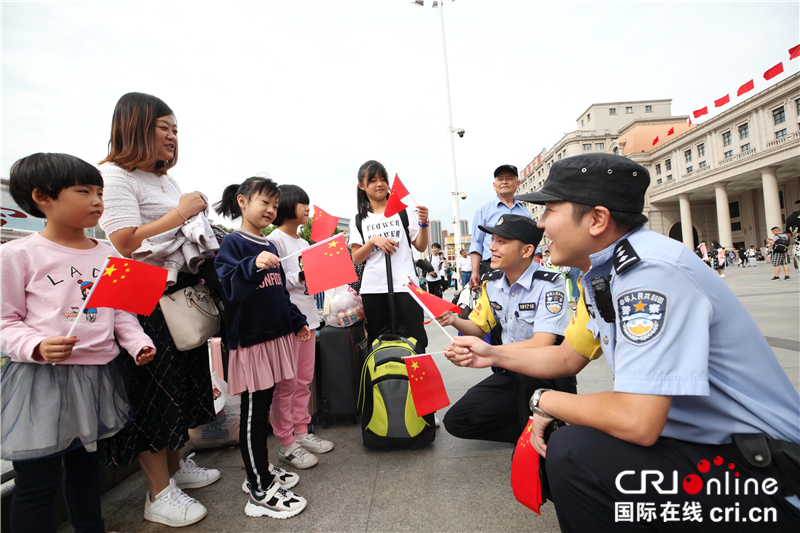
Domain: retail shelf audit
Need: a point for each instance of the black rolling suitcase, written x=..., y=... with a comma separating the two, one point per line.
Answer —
x=388, y=416
x=342, y=353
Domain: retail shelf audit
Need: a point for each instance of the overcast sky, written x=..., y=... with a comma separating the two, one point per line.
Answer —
x=308, y=91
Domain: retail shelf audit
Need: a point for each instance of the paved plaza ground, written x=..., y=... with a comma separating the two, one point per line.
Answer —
x=451, y=485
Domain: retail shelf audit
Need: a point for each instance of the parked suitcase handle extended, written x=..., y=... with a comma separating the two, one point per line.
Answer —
x=390, y=289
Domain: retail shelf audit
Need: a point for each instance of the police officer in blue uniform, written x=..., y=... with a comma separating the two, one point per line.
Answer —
x=701, y=408
x=528, y=302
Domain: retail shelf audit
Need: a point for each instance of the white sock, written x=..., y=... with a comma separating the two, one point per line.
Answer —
x=299, y=436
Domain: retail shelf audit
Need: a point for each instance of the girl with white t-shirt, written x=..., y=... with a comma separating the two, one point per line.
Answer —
x=378, y=236
x=289, y=413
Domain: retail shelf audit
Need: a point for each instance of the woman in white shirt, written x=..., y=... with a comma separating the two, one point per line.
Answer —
x=378, y=236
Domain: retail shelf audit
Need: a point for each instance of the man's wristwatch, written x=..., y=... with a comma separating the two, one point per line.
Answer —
x=534, y=404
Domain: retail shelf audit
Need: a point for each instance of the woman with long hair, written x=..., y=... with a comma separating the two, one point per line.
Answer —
x=173, y=393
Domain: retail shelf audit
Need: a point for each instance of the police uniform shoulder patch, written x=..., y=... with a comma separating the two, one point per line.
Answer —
x=554, y=301
x=493, y=275
x=642, y=315
x=547, y=275
x=624, y=256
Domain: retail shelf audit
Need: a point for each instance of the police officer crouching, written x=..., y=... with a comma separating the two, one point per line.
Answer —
x=702, y=429
x=528, y=302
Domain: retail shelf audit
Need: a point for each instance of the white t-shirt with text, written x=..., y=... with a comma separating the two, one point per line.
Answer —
x=374, y=279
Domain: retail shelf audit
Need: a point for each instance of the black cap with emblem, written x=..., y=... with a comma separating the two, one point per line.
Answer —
x=506, y=169
x=612, y=181
x=516, y=227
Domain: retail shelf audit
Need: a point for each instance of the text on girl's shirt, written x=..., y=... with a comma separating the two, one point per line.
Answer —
x=270, y=279
x=389, y=229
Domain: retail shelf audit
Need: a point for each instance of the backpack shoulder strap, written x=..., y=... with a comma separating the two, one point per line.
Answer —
x=358, y=227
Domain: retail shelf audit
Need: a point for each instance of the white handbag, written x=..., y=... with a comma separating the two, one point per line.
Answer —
x=191, y=315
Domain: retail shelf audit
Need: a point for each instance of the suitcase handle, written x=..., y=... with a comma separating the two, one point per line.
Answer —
x=390, y=291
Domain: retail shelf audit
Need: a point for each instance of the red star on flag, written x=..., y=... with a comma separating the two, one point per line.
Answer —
x=525, y=481
x=322, y=225
x=427, y=387
x=328, y=265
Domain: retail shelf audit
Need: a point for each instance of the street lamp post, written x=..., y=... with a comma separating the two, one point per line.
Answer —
x=450, y=130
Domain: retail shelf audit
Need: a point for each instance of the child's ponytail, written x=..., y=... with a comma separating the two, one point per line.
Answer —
x=229, y=205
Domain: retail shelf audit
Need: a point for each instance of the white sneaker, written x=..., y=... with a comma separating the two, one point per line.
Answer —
x=172, y=507
x=312, y=443
x=436, y=422
x=297, y=456
x=277, y=502
x=191, y=476
x=286, y=479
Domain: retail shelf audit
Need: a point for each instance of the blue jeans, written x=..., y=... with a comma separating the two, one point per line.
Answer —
x=465, y=278
x=574, y=274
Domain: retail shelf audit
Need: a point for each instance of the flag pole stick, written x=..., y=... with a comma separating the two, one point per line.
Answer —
x=284, y=258
x=422, y=354
x=428, y=312
x=83, y=305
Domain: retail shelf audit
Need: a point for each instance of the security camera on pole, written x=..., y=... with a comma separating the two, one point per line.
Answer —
x=450, y=130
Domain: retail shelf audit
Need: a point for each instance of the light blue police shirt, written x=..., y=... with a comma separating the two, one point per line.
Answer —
x=487, y=215
x=680, y=331
x=535, y=303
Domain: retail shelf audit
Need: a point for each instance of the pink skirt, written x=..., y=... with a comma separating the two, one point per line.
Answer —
x=261, y=366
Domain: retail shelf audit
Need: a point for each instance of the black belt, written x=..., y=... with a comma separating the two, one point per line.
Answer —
x=778, y=459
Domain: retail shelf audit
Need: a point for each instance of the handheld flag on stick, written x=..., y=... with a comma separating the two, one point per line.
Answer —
x=327, y=265
x=427, y=387
x=525, y=481
x=399, y=198
x=432, y=305
x=322, y=224
x=127, y=285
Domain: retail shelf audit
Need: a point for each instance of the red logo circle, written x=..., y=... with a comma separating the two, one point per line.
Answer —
x=692, y=484
x=731, y=466
x=703, y=466
x=718, y=460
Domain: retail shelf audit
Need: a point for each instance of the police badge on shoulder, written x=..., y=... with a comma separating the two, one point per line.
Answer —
x=554, y=301
x=642, y=315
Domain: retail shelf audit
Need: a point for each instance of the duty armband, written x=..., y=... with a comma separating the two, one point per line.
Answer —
x=578, y=336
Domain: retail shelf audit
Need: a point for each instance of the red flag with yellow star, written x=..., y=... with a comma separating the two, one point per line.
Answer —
x=436, y=306
x=525, y=481
x=399, y=198
x=322, y=225
x=128, y=285
x=427, y=387
x=328, y=265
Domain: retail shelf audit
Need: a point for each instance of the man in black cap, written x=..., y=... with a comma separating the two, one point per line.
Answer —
x=528, y=301
x=506, y=183
x=700, y=408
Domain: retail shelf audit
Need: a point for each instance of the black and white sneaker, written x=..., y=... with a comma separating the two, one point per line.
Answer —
x=286, y=479
x=277, y=502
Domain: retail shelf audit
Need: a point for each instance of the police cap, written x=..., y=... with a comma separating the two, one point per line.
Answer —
x=607, y=180
x=516, y=227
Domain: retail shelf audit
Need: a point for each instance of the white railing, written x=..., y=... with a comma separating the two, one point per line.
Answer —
x=738, y=157
x=783, y=140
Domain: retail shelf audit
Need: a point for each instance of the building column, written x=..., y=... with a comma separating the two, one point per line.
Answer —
x=686, y=221
x=772, y=202
x=723, y=215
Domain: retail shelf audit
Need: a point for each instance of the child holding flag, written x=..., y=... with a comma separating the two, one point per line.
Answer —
x=371, y=236
x=262, y=325
x=61, y=394
x=289, y=414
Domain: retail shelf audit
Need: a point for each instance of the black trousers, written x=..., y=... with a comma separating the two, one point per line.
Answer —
x=253, y=430
x=35, y=486
x=496, y=409
x=408, y=313
x=584, y=466
x=435, y=287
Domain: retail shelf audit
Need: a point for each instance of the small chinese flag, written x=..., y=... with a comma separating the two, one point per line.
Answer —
x=328, y=265
x=794, y=52
x=671, y=131
x=399, y=198
x=745, y=88
x=427, y=387
x=655, y=141
x=525, y=481
x=722, y=101
x=690, y=121
x=322, y=225
x=700, y=112
x=128, y=285
x=436, y=306
x=774, y=71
